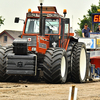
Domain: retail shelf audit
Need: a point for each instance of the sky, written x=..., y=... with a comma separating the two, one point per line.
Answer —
x=10, y=9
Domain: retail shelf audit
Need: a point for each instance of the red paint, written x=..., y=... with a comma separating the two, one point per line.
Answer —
x=44, y=40
x=96, y=61
x=29, y=39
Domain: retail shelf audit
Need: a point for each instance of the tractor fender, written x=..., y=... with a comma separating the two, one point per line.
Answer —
x=75, y=39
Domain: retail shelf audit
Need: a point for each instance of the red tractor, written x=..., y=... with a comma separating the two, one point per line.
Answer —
x=47, y=46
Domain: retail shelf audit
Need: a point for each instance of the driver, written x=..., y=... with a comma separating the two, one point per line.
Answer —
x=48, y=30
x=98, y=29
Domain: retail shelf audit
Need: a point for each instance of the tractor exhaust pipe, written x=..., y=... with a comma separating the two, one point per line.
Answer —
x=42, y=21
x=43, y=25
x=40, y=30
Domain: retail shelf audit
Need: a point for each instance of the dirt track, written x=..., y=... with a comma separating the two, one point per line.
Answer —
x=43, y=91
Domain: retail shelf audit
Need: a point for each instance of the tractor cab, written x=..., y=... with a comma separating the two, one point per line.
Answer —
x=51, y=25
x=46, y=28
x=51, y=21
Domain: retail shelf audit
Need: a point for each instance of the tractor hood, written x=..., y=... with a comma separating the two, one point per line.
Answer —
x=37, y=43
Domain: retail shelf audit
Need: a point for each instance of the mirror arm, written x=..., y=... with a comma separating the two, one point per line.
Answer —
x=22, y=20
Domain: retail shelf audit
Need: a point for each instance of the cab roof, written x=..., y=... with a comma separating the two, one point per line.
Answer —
x=48, y=8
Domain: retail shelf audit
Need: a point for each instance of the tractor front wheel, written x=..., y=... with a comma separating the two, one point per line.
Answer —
x=55, y=66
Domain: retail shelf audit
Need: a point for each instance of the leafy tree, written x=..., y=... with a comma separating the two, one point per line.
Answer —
x=88, y=19
x=1, y=20
x=83, y=21
x=78, y=32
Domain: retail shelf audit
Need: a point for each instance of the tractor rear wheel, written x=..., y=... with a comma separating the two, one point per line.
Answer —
x=88, y=67
x=89, y=73
x=55, y=66
x=3, y=59
x=79, y=64
x=69, y=57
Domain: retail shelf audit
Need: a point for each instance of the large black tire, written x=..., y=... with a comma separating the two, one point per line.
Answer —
x=88, y=67
x=79, y=64
x=69, y=57
x=55, y=65
x=89, y=73
x=47, y=65
x=3, y=59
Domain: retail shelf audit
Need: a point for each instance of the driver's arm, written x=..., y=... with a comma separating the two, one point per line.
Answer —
x=83, y=35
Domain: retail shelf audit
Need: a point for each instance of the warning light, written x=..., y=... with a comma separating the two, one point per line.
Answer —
x=29, y=10
x=64, y=11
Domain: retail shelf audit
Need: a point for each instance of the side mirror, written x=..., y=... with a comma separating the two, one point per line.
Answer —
x=16, y=20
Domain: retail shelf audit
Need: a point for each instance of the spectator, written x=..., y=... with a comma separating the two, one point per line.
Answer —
x=98, y=29
x=85, y=31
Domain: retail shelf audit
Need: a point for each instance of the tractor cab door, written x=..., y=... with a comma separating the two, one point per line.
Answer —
x=65, y=29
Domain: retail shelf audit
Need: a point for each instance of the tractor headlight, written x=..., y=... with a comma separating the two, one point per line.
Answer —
x=33, y=49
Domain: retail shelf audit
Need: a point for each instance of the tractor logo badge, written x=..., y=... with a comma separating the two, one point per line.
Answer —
x=29, y=39
x=54, y=44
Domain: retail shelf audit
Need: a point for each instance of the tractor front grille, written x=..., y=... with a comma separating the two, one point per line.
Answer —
x=31, y=40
